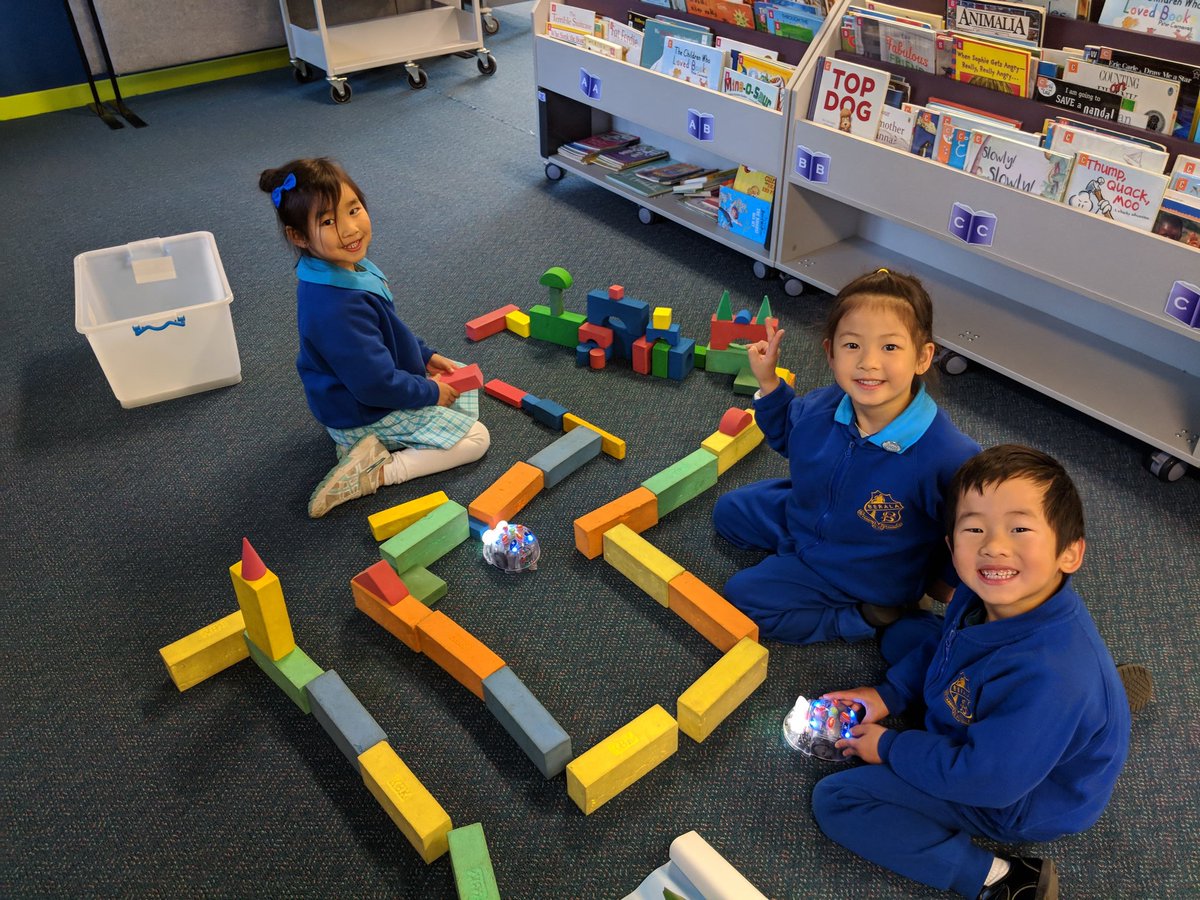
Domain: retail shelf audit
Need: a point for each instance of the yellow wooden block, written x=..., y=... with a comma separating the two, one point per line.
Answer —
x=662, y=317
x=517, y=322
x=787, y=375
x=729, y=450
x=414, y=810
x=266, y=614
x=640, y=561
x=390, y=522
x=721, y=690
x=609, y=443
x=206, y=651
x=622, y=758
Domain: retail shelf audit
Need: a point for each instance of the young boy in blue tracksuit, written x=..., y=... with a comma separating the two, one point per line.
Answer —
x=1027, y=722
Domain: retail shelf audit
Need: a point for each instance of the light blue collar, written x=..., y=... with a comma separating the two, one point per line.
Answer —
x=904, y=430
x=366, y=277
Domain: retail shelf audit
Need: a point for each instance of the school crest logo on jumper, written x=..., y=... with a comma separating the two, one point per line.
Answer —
x=882, y=511
x=958, y=698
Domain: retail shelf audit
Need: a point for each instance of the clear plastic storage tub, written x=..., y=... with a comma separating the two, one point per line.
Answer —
x=157, y=316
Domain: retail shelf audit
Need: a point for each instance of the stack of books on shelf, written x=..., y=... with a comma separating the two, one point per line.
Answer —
x=589, y=148
x=628, y=157
x=744, y=207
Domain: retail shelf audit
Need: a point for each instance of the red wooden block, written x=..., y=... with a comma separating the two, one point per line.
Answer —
x=465, y=378
x=252, y=564
x=596, y=358
x=734, y=421
x=504, y=392
x=589, y=331
x=616, y=292
x=641, y=355
x=489, y=323
x=723, y=332
x=382, y=581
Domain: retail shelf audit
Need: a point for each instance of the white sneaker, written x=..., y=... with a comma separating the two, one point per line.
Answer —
x=357, y=474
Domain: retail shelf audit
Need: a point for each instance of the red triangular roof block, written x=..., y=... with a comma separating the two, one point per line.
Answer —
x=382, y=581
x=252, y=565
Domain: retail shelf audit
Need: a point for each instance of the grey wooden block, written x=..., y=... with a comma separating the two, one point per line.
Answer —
x=566, y=454
x=342, y=716
x=527, y=721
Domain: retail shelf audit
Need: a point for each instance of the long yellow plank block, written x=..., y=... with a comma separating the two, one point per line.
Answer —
x=729, y=450
x=389, y=522
x=265, y=612
x=622, y=758
x=640, y=561
x=609, y=443
x=721, y=690
x=206, y=651
x=416, y=813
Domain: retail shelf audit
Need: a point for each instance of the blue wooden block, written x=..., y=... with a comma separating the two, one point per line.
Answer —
x=581, y=353
x=743, y=317
x=567, y=454
x=344, y=719
x=681, y=359
x=526, y=720
x=670, y=335
x=477, y=528
x=547, y=412
x=626, y=317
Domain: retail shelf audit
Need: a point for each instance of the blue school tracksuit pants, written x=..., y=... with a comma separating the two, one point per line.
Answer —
x=789, y=601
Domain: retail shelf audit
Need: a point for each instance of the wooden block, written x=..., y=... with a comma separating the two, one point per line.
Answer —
x=729, y=361
x=734, y=420
x=787, y=375
x=641, y=356
x=474, y=878
x=518, y=323
x=561, y=329
x=729, y=450
x=206, y=651
x=609, y=443
x=683, y=481
x=464, y=657
x=622, y=758
x=490, y=323
x=290, y=674
x=504, y=392
x=508, y=494
x=721, y=690
x=566, y=454
x=589, y=331
x=464, y=378
x=659, y=354
x=661, y=317
x=416, y=813
x=391, y=521
x=720, y=622
x=428, y=539
x=381, y=580
x=265, y=612
x=640, y=561
x=527, y=721
x=344, y=718
x=547, y=412
x=638, y=509
x=424, y=585
x=399, y=620
x=596, y=358
x=745, y=383
x=670, y=334
x=681, y=359
x=701, y=356
x=478, y=529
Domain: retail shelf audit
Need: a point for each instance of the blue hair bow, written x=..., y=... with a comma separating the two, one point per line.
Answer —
x=288, y=184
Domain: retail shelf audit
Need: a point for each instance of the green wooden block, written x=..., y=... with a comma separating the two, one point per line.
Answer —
x=474, y=877
x=727, y=362
x=658, y=359
x=745, y=383
x=291, y=673
x=679, y=483
x=563, y=330
x=701, y=352
x=423, y=585
x=428, y=539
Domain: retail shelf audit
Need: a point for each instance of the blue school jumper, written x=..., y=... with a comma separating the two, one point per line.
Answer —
x=1026, y=732
x=860, y=519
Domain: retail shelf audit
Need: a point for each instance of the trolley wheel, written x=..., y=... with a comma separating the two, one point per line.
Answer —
x=341, y=95
x=793, y=287
x=554, y=172
x=419, y=81
x=762, y=270
x=487, y=66
x=302, y=72
x=490, y=24
x=950, y=362
x=1166, y=467
x=647, y=216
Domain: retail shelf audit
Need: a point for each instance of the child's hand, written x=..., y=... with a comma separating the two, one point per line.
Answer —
x=865, y=700
x=864, y=744
x=764, y=359
x=446, y=394
x=439, y=365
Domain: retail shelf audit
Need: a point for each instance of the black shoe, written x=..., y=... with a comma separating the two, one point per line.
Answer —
x=880, y=617
x=1139, y=685
x=1028, y=878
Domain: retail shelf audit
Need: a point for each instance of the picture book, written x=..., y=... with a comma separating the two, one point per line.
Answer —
x=1185, y=165
x=635, y=20
x=1154, y=99
x=628, y=157
x=733, y=48
x=1077, y=98
x=708, y=206
x=731, y=11
x=954, y=142
x=769, y=70
x=1123, y=193
x=1031, y=170
x=567, y=34
x=744, y=215
x=754, y=183
x=996, y=18
x=604, y=48
x=848, y=96
x=741, y=85
x=926, y=128
x=586, y=150
x=656, y=33
x=933, y=20
x=910, y=46
x=996, y=67
x=703, y=184
x=629, y=179
x=691, y=62
x=1120, y=135
x=1165, y=18
x=896, y=128
x=1187, y=75
x=787, y=21
x=573, y=17
x=1070, y=139
x=670, y=172
x=627, y=36
x=1179, y=219
x=992, y=119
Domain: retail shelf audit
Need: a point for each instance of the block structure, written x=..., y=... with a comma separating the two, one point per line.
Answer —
x=462, y=655
x=719, y=622
x=508, y=494
x=388, y=522
x=382, y=581
x=474, y=877
x=263, y=607
x=428, y=539
x=627, y=318
x=353, y=730
x=400, y=619
x=490, y=323
x=640, y=561
x=729, y=449
x=721, y=690
x=291, y=673
x=609, y=443
x=630, y=752
x=424, y=585
x=206, y=651
x=562, y=329
x=638, y=509
x=407, y=802
x=527, y=722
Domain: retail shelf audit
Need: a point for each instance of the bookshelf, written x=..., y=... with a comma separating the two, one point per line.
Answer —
x=655, y=107
x=1063, y=302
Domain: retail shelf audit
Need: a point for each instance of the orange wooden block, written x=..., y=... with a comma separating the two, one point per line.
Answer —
x=400, y=620
x=490, y=323
x=508, y=495
x=504, y=392
x=466, y=658
x=596, y=358
x=638, y=509
x=720, y=622
x=382, y=581
x=734, y=421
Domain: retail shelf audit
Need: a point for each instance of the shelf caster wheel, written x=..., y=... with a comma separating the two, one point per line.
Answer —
x=762, y=271
x=1165, y=467
x=490, y=24
x=419, y=80
x=950, y=362
x=342, y=93
x=793, y=287
x=487, y=65
x=553, y=172
x=647, y=216
x=302, y=73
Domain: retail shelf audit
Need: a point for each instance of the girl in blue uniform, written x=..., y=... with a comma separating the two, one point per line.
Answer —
x=858, y=522
x=367, y=378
